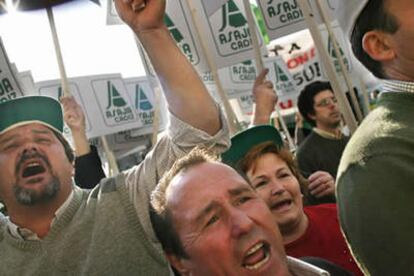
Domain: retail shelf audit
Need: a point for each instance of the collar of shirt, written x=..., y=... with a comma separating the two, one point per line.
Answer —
x=26, y=234
x=300, y=268
x=397, y=86
x=328, y=135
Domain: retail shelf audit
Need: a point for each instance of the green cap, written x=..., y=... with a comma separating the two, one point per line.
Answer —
x=244, y=141
x=31, y=109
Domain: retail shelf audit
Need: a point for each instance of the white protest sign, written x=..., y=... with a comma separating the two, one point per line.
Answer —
x=212, y=5
x=125, y=141
x=246, y=101
x=104, y=99
x=26, y=82
x=143, y=97
x=285, y=87
x=53, y=89
x=344, y=50
x=227, y=33
x=112, y=17
x=283, y=17
x=179, y=22
x=301, y=57
x=9, y=85
x=238, y=76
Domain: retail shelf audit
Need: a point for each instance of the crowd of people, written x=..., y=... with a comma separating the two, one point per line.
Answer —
x=205, y=203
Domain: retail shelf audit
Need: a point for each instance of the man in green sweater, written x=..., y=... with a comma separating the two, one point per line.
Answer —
x=375, y=179
x=56, y=228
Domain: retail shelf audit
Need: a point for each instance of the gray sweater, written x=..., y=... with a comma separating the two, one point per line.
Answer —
x=107, y=231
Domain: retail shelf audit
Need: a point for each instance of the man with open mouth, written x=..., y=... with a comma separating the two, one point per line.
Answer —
x=211, y=222
x=56, y=228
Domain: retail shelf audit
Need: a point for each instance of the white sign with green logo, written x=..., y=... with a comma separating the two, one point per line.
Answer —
x=9, y=85
x=179, y=22
x=143, y=97
x=104, y=99
x=344, y=51
x=239, y=76
x=53, y=89
x=284, y=83
x=227, y=33
x=283, y=17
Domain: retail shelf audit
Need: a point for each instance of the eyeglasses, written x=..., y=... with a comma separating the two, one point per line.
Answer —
x=327, y=101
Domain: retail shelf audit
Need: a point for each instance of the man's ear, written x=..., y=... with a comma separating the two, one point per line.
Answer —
x=179, y=264
x=378, y=46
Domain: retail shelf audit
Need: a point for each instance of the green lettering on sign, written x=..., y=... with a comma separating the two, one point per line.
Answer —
x=114, y=98
x=141, y=100
x=178, y=37
x=232, y=16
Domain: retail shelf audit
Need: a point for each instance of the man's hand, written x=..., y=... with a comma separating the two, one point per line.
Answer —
x=321, y=184
x=186, y=95
x=265, y=98
x=142, y=15
x=75, y=119
x=73, y=114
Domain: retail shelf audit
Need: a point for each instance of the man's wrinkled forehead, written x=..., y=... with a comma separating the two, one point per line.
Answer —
x=22, y=130
x=206, y=181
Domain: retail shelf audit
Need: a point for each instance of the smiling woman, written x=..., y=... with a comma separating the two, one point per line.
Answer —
x=271, y=171
x=28, y=42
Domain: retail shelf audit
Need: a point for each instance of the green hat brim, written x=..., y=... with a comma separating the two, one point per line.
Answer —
x=244, y=141
x=31, y=109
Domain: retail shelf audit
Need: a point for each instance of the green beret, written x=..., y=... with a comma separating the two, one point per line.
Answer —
x=31, y=109
x=244, y=141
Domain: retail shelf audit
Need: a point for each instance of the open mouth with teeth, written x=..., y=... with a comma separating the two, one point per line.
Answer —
x=31, y=169
x=281, y=205
x=257, y=256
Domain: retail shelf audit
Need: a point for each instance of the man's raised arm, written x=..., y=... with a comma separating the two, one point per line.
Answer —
x=187, y=97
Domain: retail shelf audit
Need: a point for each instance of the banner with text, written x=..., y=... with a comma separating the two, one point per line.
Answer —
x=283, y=17
x=227, y=33
x=105, y=100
x=9, y=84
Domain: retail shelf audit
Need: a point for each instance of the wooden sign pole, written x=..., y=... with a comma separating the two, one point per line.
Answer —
x=65, y=86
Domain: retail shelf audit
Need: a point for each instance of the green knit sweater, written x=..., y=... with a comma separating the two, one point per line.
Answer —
x=78, y=242
x=375, y=190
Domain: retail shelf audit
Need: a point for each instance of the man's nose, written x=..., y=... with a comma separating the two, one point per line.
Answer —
x=29, y=151
x=241, y=223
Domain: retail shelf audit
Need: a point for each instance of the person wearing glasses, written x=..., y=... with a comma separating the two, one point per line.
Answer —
x=322, y=149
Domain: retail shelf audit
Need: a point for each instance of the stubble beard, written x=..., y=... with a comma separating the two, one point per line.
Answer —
x=31, y=197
